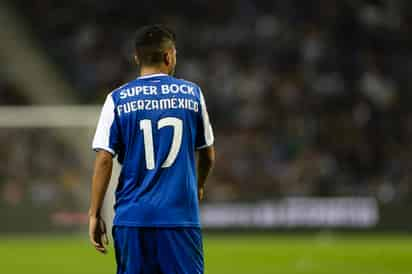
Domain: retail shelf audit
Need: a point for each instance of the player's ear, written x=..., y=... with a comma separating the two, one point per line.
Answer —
x=167, y=58
x=136, y=59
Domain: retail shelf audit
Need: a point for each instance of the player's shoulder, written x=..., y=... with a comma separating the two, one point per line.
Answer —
x=115, y=93
x=195, y=86
x=190, y=83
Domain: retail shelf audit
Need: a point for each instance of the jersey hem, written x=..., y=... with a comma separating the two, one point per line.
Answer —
x=137, y=224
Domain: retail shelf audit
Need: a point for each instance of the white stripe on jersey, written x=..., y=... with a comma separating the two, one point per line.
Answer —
x=102, y=135
x=208, y=131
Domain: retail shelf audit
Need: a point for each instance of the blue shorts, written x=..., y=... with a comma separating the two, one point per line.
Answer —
x=141, y=250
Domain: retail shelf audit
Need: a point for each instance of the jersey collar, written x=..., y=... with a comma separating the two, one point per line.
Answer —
x=152, y=75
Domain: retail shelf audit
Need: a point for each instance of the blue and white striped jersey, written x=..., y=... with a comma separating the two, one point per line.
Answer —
x=154, y=124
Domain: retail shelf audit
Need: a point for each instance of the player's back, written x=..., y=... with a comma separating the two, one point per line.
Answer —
x=158, y=122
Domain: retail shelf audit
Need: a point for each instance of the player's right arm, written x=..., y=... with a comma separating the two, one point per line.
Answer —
x=205, y=162
x=204, y=146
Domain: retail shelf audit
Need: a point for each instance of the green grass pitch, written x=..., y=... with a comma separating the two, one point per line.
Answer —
x=225, y=254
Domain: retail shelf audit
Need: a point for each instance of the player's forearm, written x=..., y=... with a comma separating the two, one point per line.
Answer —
x=205, y=164
x=203, y=171
x=101, y=178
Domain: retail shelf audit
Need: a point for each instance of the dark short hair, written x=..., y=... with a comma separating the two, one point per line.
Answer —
x=151, y=42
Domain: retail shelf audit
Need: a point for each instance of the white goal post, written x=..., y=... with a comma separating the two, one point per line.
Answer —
x=49, y=116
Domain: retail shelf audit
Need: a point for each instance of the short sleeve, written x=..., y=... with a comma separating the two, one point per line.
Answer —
x=107, y=134
x=205, y=136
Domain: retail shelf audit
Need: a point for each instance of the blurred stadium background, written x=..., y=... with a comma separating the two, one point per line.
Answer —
x=311, y=106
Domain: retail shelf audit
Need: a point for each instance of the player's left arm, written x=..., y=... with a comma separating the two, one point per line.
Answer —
x=101, y=178
x=105, y=143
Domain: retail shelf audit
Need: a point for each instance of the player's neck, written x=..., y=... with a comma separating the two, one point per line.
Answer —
x=153, y=70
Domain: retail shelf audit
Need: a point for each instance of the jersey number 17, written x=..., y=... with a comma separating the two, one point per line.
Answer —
x=146, y=127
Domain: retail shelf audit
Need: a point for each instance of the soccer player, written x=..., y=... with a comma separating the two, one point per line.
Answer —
x=157, y=126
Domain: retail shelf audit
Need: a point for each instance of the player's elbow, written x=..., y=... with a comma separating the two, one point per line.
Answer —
x=211, y=157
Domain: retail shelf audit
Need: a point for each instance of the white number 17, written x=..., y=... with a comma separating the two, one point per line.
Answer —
x=146, y=127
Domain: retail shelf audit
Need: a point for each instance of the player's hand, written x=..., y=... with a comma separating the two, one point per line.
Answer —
x=200, y=193
x=98, y=234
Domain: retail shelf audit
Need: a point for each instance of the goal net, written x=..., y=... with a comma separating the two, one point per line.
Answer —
x=46, y=168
